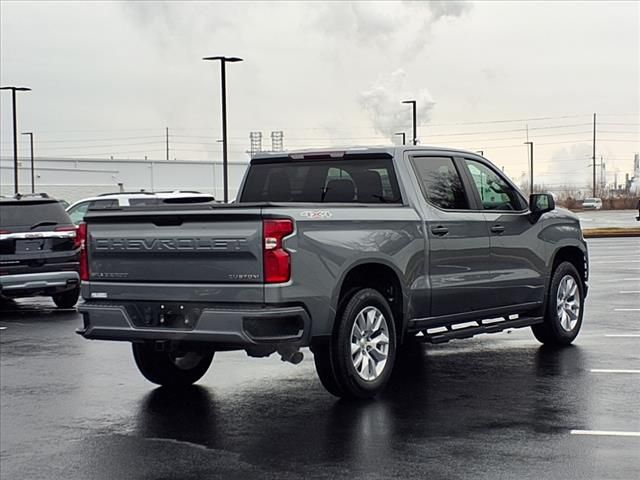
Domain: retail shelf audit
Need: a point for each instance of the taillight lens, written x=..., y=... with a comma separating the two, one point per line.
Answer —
x=81, y=239
x=74, y=228
x=277, y=261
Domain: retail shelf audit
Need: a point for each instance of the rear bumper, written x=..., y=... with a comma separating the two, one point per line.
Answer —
x=46, y=282
x=234, y=327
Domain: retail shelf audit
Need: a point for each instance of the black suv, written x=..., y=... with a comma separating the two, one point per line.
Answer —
x=39, y=250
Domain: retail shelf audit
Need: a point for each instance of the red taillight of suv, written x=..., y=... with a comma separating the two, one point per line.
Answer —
x=277, y=261
x=81, y=240
x=74, y=228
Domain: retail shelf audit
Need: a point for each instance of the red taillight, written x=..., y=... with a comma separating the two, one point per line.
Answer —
x=277, y=261
x=81, y=239
x=73, y=228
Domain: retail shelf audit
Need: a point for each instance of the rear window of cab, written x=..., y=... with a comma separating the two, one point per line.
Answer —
x=322, y=181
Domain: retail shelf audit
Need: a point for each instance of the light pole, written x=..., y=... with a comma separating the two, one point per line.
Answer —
x=404, y=137
x=415, y=131
x=33, y=177
x=531, y=163
x=223, y=73
x=480, y=152
x=15, y=133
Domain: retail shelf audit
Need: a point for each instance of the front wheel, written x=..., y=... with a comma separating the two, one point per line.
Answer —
x=564, y=308
x=358, y=360
x=171, y=369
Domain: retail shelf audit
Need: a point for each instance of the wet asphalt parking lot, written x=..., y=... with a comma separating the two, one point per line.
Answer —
x=495, y=406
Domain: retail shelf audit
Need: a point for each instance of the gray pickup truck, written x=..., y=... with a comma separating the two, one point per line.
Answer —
x=354, y=253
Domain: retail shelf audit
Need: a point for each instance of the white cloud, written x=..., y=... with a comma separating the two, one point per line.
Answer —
x=383, y=102
x=401, y=26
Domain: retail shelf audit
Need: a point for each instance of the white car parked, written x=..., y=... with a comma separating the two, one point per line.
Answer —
x=78, y=209
x=592, y=204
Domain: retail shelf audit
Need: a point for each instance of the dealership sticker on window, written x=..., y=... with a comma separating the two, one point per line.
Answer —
x=315, y=214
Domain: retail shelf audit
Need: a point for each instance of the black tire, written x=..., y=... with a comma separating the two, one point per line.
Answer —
x=335, y=363
x=171, y=369
x=66, y=299
x=555, y=329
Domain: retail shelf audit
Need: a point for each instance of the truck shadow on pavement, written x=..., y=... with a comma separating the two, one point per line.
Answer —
x=447, y=398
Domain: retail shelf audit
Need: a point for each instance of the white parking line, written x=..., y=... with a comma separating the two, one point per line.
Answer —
x=624, y=335
x=613, y=261
x=609, y=433
x=592, y=281
x=626, y=309
x=3, y=328
x=600, y=257
x=630, y=291
x=604, y=370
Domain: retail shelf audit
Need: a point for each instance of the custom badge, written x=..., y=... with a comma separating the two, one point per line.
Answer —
x=316, y=214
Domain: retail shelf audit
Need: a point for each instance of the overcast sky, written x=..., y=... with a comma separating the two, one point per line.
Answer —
x=108, y=77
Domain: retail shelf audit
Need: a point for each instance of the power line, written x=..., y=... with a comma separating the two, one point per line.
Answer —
x=98, y=139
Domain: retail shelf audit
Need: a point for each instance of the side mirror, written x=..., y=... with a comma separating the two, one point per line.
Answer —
x=540, y=203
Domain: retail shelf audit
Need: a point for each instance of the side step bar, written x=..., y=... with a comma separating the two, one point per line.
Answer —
x=481, y=327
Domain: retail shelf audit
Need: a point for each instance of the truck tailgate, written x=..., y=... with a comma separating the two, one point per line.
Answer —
x=219, y=246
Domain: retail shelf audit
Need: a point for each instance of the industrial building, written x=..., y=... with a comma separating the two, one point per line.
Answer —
x=73, y=179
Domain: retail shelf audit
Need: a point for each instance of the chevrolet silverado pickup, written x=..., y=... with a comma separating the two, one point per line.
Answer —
x=353, y=253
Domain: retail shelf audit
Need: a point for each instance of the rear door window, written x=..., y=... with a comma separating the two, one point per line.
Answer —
x=322, y=181
x=441, y=182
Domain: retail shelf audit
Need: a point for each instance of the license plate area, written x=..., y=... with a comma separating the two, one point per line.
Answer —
x=29, y=246
x=182, y=316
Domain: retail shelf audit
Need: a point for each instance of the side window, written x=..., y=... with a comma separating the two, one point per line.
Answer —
x=139, y=202
x=101, y=204
x=495, y=193
x=77, y=213
x=441, y=182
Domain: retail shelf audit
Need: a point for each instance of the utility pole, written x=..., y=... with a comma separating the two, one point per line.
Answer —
x=415, y=128
x=33, y=176
x=15, y=133
x=404, y=137
x=167, y=141
x=531, y=164
x=223, y=73
x=593, y=157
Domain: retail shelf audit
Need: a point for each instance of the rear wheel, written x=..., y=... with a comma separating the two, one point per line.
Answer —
x=358, y=360
x=564, y=308
x=66, y=299
x=171, y=369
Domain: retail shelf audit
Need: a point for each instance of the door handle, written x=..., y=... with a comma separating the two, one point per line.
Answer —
x=497, y=229
x=439, y=230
